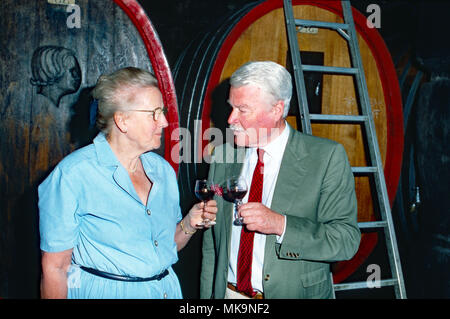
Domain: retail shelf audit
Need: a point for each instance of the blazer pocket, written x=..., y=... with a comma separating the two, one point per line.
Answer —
x=313, y=278
x=316, y=284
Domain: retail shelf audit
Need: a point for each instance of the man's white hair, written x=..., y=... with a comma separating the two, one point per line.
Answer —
x=269, y=76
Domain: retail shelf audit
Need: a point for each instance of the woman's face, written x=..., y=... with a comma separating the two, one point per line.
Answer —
x=142, y=130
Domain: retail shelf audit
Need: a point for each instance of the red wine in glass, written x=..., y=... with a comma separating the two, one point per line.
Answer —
x=236, y=194
x=204, y=191
x=204, y=194
x=236, y=190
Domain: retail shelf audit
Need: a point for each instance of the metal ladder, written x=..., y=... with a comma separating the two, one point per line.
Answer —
x=347, y=31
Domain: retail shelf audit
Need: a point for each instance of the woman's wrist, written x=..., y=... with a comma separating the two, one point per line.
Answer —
x=185, y=228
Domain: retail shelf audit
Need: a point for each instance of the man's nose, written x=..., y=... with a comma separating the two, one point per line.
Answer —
x=233, y=116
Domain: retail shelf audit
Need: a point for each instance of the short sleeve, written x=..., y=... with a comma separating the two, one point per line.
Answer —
x=58, y=223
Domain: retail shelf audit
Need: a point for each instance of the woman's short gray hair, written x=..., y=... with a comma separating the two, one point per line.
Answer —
x=269, y=76
x=115, y=91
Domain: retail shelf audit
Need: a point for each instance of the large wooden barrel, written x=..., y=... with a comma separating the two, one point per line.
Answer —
x=51, y=56
x=258, y=32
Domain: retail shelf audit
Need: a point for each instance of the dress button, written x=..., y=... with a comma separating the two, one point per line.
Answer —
x=267, y=277
x=149, y=212
x=156, y=243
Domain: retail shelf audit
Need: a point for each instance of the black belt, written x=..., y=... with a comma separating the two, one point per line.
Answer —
x=124, y=278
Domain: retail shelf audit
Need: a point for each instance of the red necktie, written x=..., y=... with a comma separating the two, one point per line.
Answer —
x=244, y=264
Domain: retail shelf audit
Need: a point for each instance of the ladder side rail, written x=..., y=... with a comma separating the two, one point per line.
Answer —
x=297, y=66
x=380, y=182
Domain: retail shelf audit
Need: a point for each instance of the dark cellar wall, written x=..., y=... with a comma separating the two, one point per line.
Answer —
x=406, y=26
x=180, y=21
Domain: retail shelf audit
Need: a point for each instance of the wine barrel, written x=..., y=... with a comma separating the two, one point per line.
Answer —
x=407, y=200
x=258, y=32
x=52, y=55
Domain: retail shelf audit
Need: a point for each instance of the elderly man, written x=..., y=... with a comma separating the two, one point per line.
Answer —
x=300, y=211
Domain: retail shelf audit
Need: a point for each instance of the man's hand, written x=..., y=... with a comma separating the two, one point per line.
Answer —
x=262, y=219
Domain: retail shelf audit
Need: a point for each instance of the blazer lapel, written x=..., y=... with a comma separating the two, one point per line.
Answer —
x=291, y=171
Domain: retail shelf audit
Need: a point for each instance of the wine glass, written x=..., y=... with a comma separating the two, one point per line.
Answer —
x=204, y=190
x=236, y=189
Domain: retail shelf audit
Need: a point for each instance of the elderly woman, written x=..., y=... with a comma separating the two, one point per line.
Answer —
x=110, y=219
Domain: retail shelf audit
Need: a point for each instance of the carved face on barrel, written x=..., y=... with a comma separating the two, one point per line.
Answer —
x=71, y=80
x=256, y=118
x=55, y=72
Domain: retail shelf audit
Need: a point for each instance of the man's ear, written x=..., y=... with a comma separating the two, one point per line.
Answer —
x=278, y=110
x=120, y=120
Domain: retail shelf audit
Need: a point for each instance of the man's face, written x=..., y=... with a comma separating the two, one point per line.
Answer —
x=253, y=115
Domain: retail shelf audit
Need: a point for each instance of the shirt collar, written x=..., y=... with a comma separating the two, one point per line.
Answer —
x=105, y=155
x=276, y=147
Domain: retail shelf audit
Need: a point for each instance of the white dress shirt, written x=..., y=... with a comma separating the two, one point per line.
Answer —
x=273, y=154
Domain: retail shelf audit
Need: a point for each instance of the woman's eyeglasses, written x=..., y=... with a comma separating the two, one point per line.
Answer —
x=156, y=112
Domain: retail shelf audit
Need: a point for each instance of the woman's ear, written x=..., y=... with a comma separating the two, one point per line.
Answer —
x=120, y=120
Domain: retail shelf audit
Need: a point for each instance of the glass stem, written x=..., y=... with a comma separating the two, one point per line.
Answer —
x=206, y=220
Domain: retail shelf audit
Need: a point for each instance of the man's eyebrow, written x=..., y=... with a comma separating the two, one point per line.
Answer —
x=237, y=106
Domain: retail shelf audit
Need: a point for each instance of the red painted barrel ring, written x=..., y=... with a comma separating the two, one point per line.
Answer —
x=162, y=72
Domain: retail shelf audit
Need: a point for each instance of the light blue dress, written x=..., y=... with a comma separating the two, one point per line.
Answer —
x=88, y=203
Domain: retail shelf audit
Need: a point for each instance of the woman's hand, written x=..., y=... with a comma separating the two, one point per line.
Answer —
x=189, y=225
x=200, y=212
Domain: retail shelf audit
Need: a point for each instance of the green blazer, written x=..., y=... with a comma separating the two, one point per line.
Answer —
x=315, y=190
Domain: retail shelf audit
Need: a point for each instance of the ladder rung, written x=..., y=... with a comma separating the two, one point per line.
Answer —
x=377, y=224
x=320, y=24
x=338, y=118
x=368, y=169
x=363, y=284
x=329, y=69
